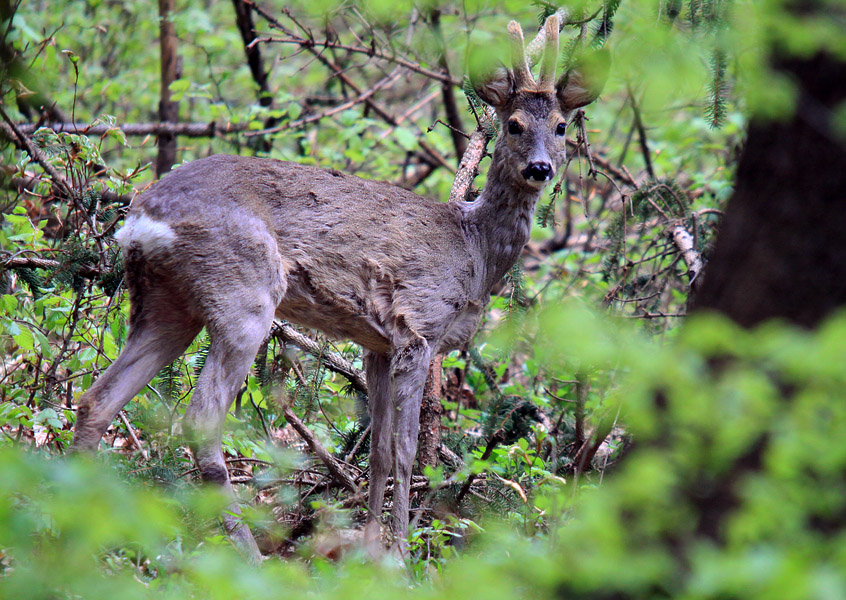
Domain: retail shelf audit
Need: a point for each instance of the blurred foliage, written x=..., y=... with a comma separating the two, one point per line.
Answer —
x=735, y=489
x=539, y=384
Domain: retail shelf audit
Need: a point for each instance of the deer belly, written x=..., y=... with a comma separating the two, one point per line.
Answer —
x=337, y=316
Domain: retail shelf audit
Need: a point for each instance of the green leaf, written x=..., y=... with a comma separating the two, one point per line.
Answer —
x=405, y=138
x=24, y=339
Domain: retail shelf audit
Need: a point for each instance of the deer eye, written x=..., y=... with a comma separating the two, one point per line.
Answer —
x=561, y=129
x=514, y=128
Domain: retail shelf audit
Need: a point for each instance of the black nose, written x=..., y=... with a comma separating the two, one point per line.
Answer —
x=539, y=171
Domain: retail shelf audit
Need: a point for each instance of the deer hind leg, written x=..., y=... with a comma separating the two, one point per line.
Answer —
x=378, y=371
x=409, y=367
x=235, y=337
x=159, y=332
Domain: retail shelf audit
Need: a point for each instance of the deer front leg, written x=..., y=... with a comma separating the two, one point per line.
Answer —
x=409, y=367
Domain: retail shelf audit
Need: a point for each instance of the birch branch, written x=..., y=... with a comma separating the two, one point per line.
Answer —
x=692, y=258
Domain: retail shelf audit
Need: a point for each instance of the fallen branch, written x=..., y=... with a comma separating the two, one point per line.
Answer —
x=337, y=473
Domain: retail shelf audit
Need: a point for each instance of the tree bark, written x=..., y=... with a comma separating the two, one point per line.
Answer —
x=429, y=438
x=781, y=252
x=168, y=109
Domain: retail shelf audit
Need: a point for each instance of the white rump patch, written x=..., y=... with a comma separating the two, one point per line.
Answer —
x=152, y=235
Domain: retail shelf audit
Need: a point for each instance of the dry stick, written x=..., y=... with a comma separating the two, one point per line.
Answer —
x=332, y=464
x=135, y=129
x=132, y=436
x=332, y=360
x=24, y=262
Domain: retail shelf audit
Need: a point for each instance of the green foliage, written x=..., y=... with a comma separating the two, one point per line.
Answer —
x=735, y=489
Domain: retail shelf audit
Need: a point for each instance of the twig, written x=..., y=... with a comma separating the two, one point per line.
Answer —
x=496, y=438
x=372, y=52
x=133, y=437
x=641, y=132
x=31, y=262
x=332, y=111
x=30, y=184
x=358, y=443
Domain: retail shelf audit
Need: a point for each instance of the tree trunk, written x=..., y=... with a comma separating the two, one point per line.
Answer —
x=781, y=253
x=429, y=438
x=168, y=109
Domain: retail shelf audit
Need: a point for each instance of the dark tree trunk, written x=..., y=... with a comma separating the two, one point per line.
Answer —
x=782, y=250
x=781, y=253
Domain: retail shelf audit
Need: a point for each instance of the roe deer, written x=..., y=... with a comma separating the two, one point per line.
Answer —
x=230, y=242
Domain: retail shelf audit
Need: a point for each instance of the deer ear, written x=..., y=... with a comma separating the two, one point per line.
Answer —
x=583, y=82
x=494, y=87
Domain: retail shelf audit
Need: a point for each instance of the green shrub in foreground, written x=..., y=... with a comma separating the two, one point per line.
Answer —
x=735, y=488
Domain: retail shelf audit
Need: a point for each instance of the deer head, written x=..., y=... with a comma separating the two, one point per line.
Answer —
x=534, y=114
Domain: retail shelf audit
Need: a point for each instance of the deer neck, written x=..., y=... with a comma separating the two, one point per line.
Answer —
x=499, y=220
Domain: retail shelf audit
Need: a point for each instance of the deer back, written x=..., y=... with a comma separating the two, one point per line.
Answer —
x=359, y=259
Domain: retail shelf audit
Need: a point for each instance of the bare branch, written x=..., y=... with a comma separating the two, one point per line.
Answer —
x=692, y=258
x=333, y=361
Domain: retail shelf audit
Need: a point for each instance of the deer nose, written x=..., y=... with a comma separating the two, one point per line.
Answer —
x=539, y=171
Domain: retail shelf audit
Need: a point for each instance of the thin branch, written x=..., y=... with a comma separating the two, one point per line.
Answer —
x=332, y=464
x=134, y=129
x=133, y=437
x=363, y=97
x=692, y=258
x=332, y=360
x=372, y=52
x=30, y=184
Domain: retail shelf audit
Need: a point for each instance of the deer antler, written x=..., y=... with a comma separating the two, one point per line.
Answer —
x=519, y=66
x=550, y=55
x=548, y=36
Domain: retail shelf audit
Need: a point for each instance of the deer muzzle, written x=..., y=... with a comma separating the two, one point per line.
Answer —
x=538, y=171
